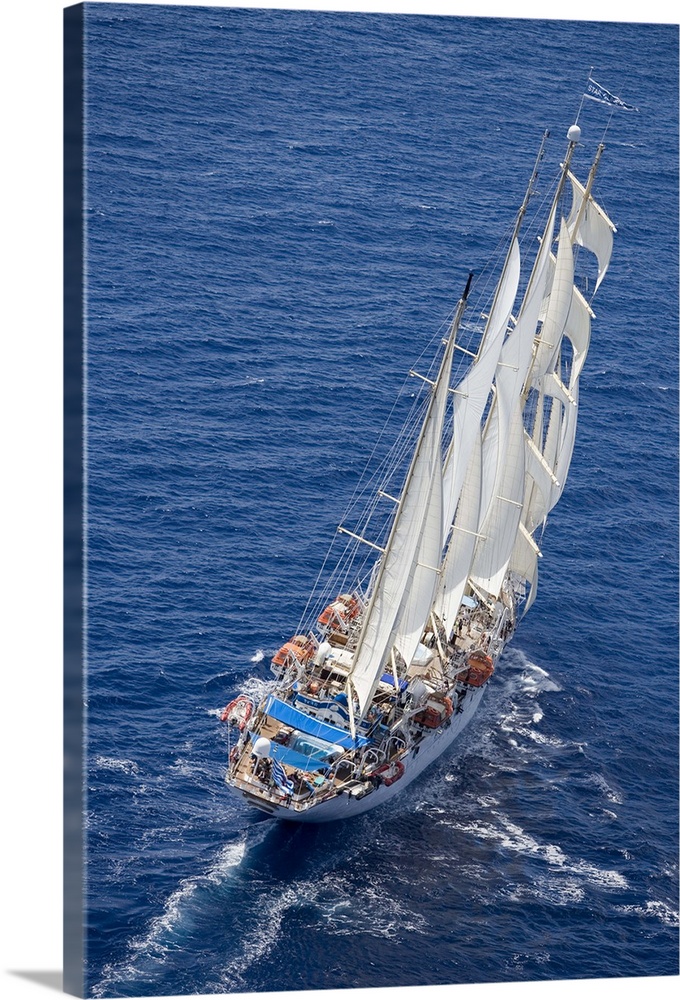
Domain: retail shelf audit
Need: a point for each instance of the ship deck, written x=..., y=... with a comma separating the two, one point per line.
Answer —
x=318, y=778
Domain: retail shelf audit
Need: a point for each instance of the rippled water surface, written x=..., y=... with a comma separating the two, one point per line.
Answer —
x=282, y=209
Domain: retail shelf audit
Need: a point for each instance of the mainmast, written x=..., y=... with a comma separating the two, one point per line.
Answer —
x=515, y=234
x=473, y=391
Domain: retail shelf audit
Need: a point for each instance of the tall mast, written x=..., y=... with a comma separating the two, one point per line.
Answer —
x=589, y=187
x=515, y=233
x=573, y=135
x=369, y=670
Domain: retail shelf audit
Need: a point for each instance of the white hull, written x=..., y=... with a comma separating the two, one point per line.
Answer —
x=390, y=675
x=344, y=806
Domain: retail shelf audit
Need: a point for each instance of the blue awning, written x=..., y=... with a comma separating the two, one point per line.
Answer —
x=389, y=679
x=298, y=720
x=291, y=757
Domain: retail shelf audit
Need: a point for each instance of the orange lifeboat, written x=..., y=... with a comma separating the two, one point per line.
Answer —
x=299, y=649
x=480, y=668
x=344, y=609
x=431, y=718
x=437, y=709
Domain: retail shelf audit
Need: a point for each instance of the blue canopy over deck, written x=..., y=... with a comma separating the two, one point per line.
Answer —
x=293, y=758
x=290, y=716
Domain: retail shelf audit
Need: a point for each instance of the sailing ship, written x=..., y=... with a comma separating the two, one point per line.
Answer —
x=397, y=660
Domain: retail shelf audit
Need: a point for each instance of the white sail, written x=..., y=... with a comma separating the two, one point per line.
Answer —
x=577, y=327
x=515, y=362
x=524, y=563
x=424, y=576
x=404, y=563
x=541, y=479
x=456, y=568
x=558, y=438
x=503, y=447
x=551, y=445
x=499, y=528
x=566, y=446
x=525, y=555
x=578, y=331
x=558, y=308
x=490, y=460
x=472, y=394
x=595, y=229
x=565, y=313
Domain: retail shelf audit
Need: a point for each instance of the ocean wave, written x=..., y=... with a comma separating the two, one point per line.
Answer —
x=511, y=837
x=607, y=791
x=370, y=910
x=230, y=405
x=148, y=952
x=116, y=764
x=656, y=909
x=332, y=903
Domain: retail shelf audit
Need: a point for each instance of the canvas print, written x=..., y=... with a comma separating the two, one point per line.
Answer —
x=371, y=500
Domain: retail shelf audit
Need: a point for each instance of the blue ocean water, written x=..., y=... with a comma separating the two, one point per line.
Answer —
x=282, y=208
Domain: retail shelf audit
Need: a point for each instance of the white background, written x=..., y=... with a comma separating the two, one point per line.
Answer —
x=31, y=567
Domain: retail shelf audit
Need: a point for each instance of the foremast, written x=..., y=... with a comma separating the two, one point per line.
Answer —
x=407, y=573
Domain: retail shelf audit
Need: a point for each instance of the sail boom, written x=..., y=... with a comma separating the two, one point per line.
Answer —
x=464, y=350
x=466, y=531
x=538, y=455
x=564, y=391
x=359, y=538
x=423, y=378
x=515, y=503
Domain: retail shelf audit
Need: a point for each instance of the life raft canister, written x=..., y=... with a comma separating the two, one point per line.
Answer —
x=340, y=613
x=480, y=668
x=389, y=773
x=299, y=648
x=238, y=712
